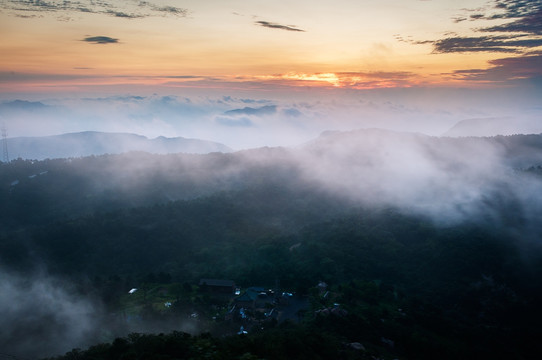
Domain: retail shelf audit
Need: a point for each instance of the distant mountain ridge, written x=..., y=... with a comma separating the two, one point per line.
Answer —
x=98, y=143
x=514, y=150
x=495, y=126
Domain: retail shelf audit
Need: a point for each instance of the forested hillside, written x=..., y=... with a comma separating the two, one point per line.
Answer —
x=428, y=248
x=447, y=177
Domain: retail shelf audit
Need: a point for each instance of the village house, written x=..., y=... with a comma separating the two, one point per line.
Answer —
x=217, y=286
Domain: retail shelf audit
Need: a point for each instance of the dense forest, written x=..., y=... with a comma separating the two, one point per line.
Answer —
x=427, y=247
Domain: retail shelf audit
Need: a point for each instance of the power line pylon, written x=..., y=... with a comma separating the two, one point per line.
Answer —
x=5, y=144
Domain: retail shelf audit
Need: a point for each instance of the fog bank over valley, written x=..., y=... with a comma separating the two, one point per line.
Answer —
x=444, y=178
x=245, y=119
x=178, y=213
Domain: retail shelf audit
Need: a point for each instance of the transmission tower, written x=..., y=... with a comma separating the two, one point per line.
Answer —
x=5, y=144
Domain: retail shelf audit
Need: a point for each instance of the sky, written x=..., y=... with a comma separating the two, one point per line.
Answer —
x=254, y=73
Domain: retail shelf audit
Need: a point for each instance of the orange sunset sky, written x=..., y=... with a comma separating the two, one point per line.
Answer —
x=54, y=49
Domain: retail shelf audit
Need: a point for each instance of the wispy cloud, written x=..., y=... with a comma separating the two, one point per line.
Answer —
x=122, y=14
x=11, y=78
x=100, y=40
x=166, y=10
x=131, y=9
x=273, y=25
x=377, y=74
x=183, y=77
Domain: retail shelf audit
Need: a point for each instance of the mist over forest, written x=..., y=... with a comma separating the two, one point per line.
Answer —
x=447, y=179
x=250, y=180
x=446, y=228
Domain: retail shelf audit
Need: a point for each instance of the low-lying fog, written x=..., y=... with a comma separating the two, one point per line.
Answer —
x=241, y=120
x=449, y=180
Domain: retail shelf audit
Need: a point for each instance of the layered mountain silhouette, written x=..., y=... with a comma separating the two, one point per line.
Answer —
x=98, y=143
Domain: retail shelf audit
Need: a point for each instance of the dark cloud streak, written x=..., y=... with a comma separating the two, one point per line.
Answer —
x=528, y=66
x=459, y=19
x=521, y=34
x=531, y=24
x=121, y=14
x=501, y=43
x=512, y=37
x=272, y=25
x=516, y=8
x=101, y=40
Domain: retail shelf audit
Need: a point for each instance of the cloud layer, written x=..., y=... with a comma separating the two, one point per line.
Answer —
x=242, y=122
x=121, y=9
x=528, y=66
x=491, y=43
x=515, y=36
x=521, y=35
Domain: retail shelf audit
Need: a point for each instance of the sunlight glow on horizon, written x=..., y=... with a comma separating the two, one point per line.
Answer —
x=306, y=43
x=165, y=47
